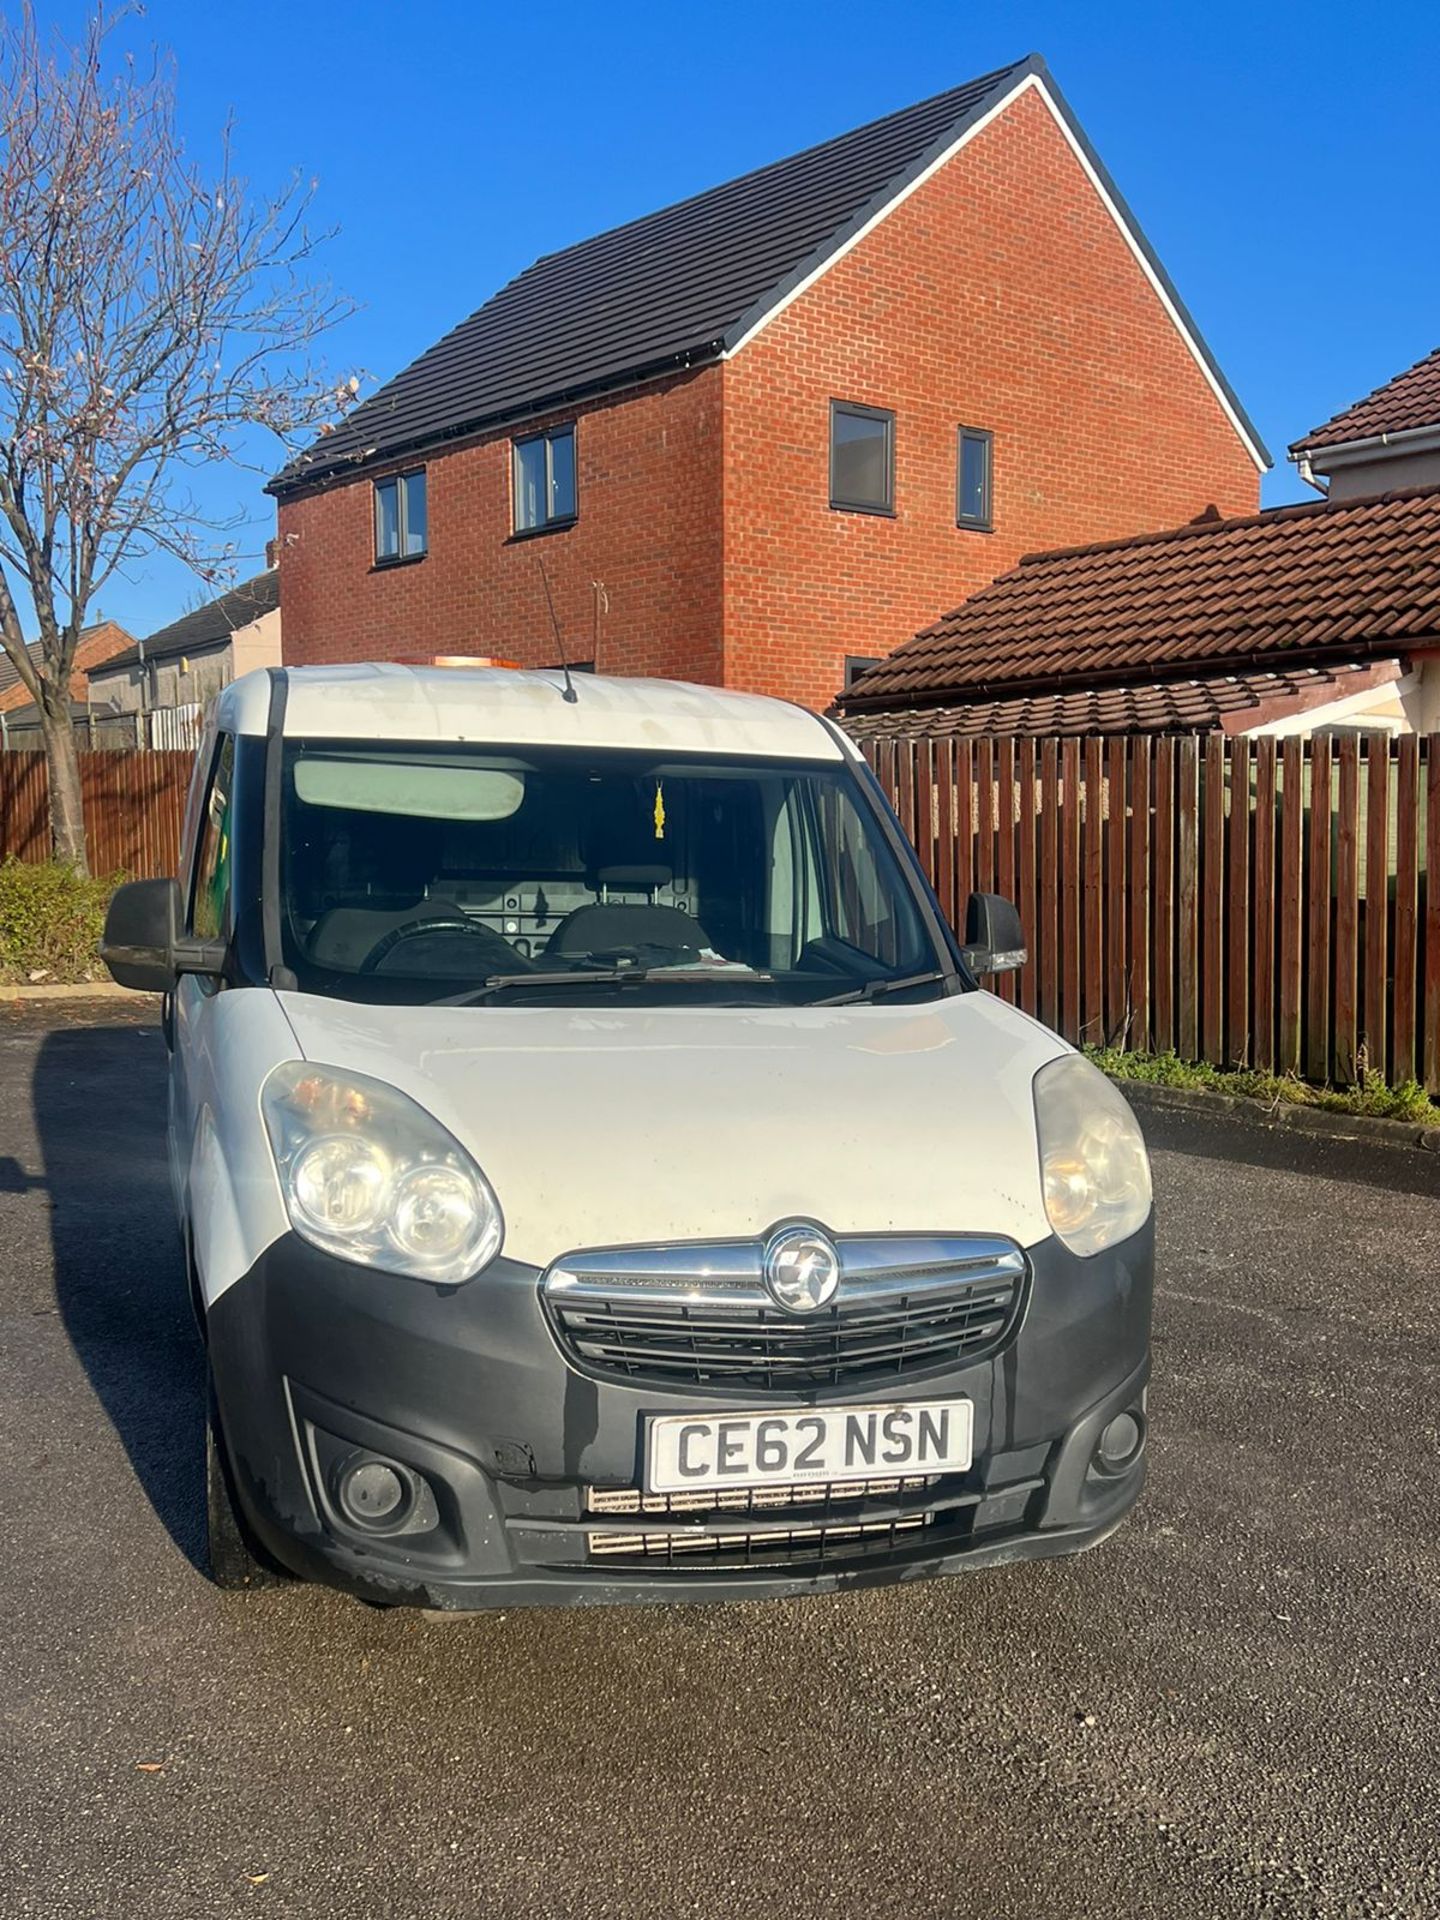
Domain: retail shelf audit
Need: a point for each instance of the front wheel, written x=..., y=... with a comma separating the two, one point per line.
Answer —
x=235, y=1564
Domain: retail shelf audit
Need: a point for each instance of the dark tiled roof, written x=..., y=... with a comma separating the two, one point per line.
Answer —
x=1410, y=400
x=1307, y=585
x=1166, y=706
x=208, y=626
x=676, y=288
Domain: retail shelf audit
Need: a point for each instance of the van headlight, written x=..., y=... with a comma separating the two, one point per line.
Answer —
x=1093, y=1162
x=368, y=1174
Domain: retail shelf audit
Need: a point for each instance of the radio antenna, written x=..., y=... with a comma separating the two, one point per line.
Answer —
x=569, y=693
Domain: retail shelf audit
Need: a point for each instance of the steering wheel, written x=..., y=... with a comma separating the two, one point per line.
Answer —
x=447, y=923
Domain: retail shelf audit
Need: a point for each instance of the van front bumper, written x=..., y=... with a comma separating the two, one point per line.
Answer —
x=501, y=1443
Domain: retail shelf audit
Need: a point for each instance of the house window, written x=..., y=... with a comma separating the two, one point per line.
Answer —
x=401, y=529
x=862, y=458
x=972, y=488
x=856, y=664
x=545, y=480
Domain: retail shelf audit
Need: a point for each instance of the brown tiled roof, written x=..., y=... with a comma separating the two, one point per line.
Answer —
x=102, y=641
x=1326, y=583
x=1410, y=400
x=1170, y=706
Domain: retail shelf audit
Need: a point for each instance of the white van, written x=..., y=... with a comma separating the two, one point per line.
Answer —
x=601, y=1175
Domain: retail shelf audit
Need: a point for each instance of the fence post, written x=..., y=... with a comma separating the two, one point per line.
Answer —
x=1070, y=897
x=1292, y=883
x=1405, y=1026
x=1050, y=884
x=1212, y=904
x=1432, y=914
x=1262, y=1015
x=1238, y=931
x=1317, y=1037
x=1187, y=935
x=1138, y=983
x=1377, y=900
x=1164, y=918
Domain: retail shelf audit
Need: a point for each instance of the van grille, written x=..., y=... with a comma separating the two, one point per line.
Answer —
x=690, y=1316
x=792, y=1523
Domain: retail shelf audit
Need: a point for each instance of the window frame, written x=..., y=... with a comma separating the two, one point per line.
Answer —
x=220, y=780
x=984, y=522
x=856, y=409
x=858, y=663
x=547, y=436
x=400, y=558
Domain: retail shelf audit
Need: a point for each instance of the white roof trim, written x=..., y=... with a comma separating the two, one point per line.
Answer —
x=1127, y=232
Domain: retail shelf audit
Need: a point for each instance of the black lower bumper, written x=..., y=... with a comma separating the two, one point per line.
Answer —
x=500, y=1441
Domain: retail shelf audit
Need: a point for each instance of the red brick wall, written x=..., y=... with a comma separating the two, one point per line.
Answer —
x=999, y=295
x=97, y=644
x=649, y=531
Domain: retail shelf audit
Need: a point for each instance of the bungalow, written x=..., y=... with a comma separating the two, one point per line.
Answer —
x=1389, y=439
x=1320, y=615
x=153, y=692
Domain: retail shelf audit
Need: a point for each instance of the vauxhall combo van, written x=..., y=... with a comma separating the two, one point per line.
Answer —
x=602, y=1174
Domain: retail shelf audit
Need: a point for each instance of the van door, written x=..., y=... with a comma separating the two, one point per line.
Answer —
x=209, y=915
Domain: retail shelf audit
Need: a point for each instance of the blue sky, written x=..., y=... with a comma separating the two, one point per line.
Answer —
x=1280, y=157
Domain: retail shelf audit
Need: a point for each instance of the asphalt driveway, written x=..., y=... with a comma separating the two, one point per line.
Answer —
x=1232, y=1708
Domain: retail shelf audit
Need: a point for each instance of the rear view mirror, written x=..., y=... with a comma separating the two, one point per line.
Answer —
x=143, y=945
x=994, y=938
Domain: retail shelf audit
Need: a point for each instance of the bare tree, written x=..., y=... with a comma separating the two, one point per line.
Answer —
x=151, y=318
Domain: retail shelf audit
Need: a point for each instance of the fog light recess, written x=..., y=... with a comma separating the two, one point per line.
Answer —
x=373, y=1493
x=1122, y=1442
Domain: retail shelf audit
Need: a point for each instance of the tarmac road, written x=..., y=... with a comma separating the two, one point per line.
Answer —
x=1231, y=1708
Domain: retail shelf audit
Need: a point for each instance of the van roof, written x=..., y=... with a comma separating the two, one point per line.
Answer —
x=506, y=707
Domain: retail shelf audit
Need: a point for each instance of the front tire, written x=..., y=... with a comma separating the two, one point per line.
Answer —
x=235, y=1564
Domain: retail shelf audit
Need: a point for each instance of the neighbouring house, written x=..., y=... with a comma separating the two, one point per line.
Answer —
x=154, y=692
x=760, y=437
x=19, y=723
x=1388, y=440
x=1306, y=617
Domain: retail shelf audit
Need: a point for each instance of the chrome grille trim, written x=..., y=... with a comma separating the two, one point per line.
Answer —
x=821, y=1533
x=612, y=1500
x=700, y=1315
x=730, y=1273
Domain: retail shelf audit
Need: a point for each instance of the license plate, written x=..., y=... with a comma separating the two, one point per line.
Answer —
x=685, y=1452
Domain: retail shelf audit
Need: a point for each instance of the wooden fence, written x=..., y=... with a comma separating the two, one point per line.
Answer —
x=1190, y=895
x=134, y=806
x=1176, y=893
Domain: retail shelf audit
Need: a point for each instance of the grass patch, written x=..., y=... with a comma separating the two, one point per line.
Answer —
x=1371, y=1096
x=50, y=923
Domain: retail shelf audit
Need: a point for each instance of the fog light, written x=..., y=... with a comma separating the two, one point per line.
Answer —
x=1120, y=1443
x=372, y=1493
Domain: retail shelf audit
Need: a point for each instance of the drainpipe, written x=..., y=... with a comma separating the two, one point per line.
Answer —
x=1310, y=477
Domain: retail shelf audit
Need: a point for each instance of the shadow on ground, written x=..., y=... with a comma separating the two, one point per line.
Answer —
x=119, y=1277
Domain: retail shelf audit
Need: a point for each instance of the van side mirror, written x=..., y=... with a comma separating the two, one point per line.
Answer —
x=143, y=945
x=994, y=938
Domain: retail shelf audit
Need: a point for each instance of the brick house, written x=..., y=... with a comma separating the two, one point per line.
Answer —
x=767, y=433
x=97, y=643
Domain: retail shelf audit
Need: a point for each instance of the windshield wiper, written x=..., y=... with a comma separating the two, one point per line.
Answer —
x=597, y=976
x=877, y=989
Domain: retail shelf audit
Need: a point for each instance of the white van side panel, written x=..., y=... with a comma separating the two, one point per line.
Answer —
x=233, y=1202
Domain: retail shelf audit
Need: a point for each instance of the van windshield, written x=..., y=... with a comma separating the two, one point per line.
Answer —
x=418, y=874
